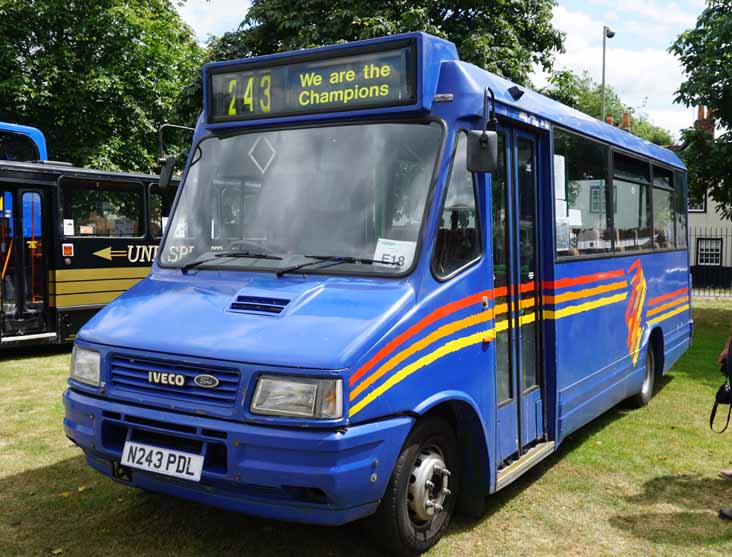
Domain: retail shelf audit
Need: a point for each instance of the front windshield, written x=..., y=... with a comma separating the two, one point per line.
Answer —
x=351, y=192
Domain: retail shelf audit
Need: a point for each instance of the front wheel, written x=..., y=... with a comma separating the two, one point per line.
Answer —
x=420, y=498
x=649, y=379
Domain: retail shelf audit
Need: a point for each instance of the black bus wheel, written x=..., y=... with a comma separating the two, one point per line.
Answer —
x=649, y=379
x=420, y=498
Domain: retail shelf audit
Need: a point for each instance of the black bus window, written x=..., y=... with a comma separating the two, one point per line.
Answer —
x=17, y=147
x=111, y=209
x=631, y=188
x=680, y=208
x=580, y=192
x=160, y=204
x=458, y=236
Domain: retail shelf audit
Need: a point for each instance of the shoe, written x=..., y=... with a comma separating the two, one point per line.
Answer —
x=726, y=474
x=725, y=514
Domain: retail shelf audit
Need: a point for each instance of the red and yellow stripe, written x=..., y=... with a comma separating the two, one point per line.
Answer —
x=667, y=306
x=390, y=362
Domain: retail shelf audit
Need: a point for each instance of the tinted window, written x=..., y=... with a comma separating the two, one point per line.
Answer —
x=102, y=208
x=458, y=237
x=17, y=147
x=631, y=169
x=631, y=205
x=680, y=208
x=662, y=178
x=663, y=218
x=580, y=170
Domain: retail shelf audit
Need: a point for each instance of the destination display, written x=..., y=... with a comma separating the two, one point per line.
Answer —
x=369, y=80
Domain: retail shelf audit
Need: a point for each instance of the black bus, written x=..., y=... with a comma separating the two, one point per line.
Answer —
x=71, y=240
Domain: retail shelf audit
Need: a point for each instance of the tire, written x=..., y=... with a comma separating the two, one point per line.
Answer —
x=646, y=393
x=405, y=523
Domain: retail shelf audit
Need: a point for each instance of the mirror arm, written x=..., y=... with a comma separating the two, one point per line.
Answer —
x=492, y=123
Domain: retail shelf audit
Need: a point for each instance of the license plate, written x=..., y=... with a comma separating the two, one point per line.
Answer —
x=162, y=461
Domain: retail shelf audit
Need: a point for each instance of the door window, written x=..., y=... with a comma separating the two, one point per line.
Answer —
x=526, y=173
x=33, y=249
x=504, y=383
x=7, y=255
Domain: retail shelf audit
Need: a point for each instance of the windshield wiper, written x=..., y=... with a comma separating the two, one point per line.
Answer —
x=241, y=254
x=334, y=259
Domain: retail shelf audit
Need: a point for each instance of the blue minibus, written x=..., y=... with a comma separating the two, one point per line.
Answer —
x=392, y=282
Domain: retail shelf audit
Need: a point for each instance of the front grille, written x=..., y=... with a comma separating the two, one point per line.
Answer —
x=131, y=374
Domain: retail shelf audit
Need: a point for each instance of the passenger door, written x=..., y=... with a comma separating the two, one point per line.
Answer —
x=24, y=258
x=517, y=296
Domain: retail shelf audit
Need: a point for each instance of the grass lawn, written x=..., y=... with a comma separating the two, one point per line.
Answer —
x=640, y=482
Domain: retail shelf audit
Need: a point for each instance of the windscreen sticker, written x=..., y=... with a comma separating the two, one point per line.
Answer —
x=68, y=227
x=395, y=252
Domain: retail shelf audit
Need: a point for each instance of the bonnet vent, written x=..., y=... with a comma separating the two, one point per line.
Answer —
x=257, y=304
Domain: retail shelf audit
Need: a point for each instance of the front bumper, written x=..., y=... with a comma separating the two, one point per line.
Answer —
x=313, y=476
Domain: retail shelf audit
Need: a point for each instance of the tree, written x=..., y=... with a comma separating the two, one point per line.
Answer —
x=706, y=55
x=507, y=37
x=96, y=76
x=584, y=94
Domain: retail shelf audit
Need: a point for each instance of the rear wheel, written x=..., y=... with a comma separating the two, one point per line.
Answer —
x=420, y=498
x=649, y=380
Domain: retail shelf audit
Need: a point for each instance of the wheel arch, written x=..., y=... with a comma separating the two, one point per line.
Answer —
x=463, y=415
x=655, y=342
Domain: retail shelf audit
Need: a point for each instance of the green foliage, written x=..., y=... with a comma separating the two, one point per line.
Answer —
x=96, y=76
x=585, y=94
x=706, y=54
x=504, y=36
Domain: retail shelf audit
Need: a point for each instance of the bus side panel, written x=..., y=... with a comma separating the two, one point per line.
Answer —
x=443, y=346
x=603, y=312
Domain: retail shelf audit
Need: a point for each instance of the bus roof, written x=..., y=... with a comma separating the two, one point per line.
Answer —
x=439, y=70
x=12, y=168
x=34, y=134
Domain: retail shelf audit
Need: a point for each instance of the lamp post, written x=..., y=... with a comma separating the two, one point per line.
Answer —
x=607, y=33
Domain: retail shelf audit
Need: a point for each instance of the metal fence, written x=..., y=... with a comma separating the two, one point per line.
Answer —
x=710, y=257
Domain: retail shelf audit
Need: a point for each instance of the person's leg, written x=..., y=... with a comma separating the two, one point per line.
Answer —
x=725, y=514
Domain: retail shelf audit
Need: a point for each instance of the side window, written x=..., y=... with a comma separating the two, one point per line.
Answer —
x=96, y=208
x=663, y=212
x=458, y=236
x=631, y=220
x=580, y=192
x=680, y=208
x=160, y=204
x=17, y=147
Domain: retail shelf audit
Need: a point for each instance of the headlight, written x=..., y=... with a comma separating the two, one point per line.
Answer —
x=85, y=366
x=299, y=397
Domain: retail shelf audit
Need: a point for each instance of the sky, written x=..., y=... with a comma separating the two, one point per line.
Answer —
x=638, y=66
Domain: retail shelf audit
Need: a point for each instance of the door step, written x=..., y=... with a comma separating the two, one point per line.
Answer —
x=20, y=338
x=525, y=463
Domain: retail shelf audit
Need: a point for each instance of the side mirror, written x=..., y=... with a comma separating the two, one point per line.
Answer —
x=166, y=170
x=482, y=153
